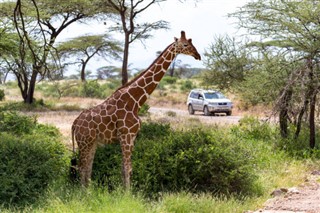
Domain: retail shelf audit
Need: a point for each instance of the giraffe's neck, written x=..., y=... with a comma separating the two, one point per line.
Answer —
x=146, y=82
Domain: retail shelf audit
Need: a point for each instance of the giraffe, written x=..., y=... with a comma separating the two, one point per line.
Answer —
x=116, y=119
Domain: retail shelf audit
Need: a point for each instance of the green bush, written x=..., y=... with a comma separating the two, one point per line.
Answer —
x=27, y=166
x=2, y=95
x=31, y=157
x=91, y=89
x=165, y=160
x=14, y=123
x=169, y=80
x=186, y=85
x=252, y=128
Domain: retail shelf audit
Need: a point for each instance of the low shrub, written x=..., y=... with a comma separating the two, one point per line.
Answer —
x=14, y=123
x=31, y=157
x=252, y=128
x=91, y=89
x=169, y=80
x=37, y=105
x=197, y=160
x=186, y=85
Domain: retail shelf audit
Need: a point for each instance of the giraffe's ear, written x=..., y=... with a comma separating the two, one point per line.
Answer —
x=175, y=39
x=190, y=40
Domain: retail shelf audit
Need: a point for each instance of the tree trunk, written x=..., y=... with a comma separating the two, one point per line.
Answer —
x=300, y=116
x=312, y=139
x=283, y=115
x=82, y=72
x=125, y=60
x=172, y=68
x=32, y=84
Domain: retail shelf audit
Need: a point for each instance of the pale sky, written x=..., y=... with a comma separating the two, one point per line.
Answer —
x=201, y=22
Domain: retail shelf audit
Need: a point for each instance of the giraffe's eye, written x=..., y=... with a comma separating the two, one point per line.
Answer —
x=185, y=45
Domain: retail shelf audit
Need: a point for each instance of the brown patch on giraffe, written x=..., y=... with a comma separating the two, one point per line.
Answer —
x=150, y=87
x=102, y=127
x=159, y=76
x=136, y=92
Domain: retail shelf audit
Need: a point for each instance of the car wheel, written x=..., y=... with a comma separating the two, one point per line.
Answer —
x=229, y=113
x=190, y=109
x=206, y=111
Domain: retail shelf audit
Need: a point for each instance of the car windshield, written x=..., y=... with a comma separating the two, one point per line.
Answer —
x=213, y=95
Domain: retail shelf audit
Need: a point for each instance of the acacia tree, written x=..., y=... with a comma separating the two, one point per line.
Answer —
x=8, y=47
x=38, y=23
x=293, y=26
x=128, y=11
x=226, y=62
x=84, y=48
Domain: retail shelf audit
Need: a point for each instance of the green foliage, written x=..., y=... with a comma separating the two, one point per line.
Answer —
x=252, y=128
x=299, y=147
x=14, y=123
x=186, y=85
x=144, y=110
x=2, y=95
x=37, y=105
x=197, y=160
x=226, y=61
x=91, y=89
x=31, y=157
x=169, y=80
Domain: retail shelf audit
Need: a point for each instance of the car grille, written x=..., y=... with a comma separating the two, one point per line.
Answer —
x=222, y=103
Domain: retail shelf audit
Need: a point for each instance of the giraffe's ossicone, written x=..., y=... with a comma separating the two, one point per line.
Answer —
x=116, y=119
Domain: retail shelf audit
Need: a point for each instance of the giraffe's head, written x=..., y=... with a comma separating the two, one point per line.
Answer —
x=185, y=46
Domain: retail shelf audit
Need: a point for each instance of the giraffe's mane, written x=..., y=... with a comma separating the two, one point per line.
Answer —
x=143, y=72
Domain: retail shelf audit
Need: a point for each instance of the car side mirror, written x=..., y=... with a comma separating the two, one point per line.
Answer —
x=201, y=98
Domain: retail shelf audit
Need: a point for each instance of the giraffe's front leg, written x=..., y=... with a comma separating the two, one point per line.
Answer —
x=127, y=143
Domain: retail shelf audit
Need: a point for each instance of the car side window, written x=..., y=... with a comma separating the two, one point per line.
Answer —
x=194, y=95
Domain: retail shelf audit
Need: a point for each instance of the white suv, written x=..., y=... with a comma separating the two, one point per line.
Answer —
x=209, y=102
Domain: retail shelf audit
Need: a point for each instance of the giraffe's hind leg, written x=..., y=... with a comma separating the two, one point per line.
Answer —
x=86, y=156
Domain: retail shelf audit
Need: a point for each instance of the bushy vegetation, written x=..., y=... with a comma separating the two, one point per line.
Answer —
x=37, y=105
x=169, y=80
x=198, y=160
x=186, y=85
x=31, y=157
x=90, y=88
x=240, y=164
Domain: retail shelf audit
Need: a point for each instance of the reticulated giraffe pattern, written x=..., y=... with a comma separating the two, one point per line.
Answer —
x=116, y=119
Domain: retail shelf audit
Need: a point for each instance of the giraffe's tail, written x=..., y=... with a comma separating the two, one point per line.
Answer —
x=72, y=137
x=73, y=168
